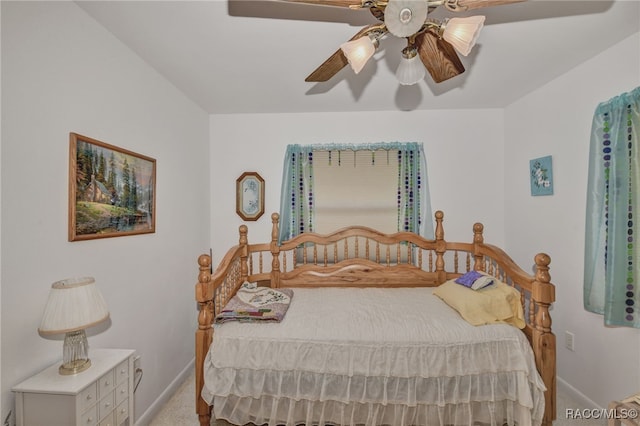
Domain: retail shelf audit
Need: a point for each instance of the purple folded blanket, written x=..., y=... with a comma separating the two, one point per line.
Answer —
x=475, y=280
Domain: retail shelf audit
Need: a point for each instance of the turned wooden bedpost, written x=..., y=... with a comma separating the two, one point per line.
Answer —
x=244, y=243
x=441, y=248
x=204, y=334
x=275, y=251
x=543, y=340
x=478, y=238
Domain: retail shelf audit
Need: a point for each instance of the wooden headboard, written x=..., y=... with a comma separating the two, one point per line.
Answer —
x=359, y=256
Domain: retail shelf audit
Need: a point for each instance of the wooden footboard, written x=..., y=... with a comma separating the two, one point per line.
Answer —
x=537, y=294
x=212, y=293
x=358, y=256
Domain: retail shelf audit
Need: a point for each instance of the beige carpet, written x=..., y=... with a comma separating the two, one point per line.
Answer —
x=180, y=410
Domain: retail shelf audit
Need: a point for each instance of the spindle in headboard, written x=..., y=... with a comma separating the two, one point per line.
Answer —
x=275, y=251
x=440, y=248
x=243, y=241
x=478, y=238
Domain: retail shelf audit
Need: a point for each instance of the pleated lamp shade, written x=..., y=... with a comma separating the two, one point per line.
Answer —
x=411, y=69
x=358, y=52
x=463, y=33
x=74, y=304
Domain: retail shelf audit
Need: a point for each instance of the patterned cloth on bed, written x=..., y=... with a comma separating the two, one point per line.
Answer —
x=256, y=304
x=372, y=357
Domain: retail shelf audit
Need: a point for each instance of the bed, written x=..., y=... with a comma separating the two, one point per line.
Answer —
x=375, y=334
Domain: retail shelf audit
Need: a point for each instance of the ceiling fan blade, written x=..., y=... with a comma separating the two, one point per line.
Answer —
x=354, y=4
x=338, y=60
x=329, y=68
x=438, y=56
x=478, y=4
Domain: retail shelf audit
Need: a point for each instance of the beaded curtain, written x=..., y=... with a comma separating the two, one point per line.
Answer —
x=297, y=200
x=611, y=267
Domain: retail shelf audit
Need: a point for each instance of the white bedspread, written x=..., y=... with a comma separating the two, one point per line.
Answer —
x=372, y=356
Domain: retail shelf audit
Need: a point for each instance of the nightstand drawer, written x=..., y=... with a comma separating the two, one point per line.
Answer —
x=88, y=397
x=122, y=372
x=122, y=392
x=122, y=412
x=106, y=406
x=90, y=417
x=106, y=384
x=108, y=421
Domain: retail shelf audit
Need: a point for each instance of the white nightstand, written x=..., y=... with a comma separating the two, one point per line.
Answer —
x=99, y=396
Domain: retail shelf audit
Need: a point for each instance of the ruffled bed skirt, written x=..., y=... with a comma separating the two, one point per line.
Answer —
x=273, y=411
x=295, y=398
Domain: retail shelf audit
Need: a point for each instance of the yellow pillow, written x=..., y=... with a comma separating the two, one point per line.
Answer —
x=498, y=303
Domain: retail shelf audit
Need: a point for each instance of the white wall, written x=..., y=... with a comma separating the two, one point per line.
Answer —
x=1, y=399
x=556, y=120
x=62, y=72
x=464, y=150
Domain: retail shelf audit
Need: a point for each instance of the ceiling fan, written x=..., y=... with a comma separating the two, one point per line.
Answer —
x=434, y=42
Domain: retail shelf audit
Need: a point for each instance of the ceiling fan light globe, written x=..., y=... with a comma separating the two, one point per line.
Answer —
x=405, y=17
x=358, y=52
x=410, y=71
x=462, y=33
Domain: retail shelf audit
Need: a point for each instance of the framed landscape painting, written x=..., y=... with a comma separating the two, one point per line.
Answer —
x=111, y=190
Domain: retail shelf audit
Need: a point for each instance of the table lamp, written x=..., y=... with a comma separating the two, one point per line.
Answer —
x=74, y=304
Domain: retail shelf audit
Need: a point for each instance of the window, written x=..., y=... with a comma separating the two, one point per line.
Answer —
x=356, y=188
x=383, y=186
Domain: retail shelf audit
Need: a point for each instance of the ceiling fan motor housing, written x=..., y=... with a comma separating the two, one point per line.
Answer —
x=404, y=18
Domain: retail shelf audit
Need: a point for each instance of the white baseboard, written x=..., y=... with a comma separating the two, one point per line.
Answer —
x=165, y=396
x=575, y=394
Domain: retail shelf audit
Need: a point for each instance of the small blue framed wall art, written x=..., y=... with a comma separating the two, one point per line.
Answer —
x=540, y=172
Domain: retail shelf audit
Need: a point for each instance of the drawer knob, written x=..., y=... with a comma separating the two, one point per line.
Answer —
x=88, y=397
x=90, y=420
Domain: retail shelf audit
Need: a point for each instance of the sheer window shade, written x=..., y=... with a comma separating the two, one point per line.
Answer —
x=355, y=188
x=404, y=181
x=611, y=267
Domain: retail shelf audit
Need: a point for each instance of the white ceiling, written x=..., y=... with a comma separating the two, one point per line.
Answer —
x=252, y=56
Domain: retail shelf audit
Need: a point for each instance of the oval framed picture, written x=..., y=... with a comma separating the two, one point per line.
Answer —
x=250, y=196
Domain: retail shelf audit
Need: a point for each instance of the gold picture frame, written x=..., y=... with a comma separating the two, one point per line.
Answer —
x=112, y=191
x=250, y=196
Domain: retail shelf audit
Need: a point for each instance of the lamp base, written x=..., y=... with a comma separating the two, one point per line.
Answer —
x=75, y=355
x=74, y=367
